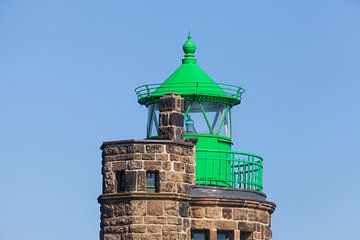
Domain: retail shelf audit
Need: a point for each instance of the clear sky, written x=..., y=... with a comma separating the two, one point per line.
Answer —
x=68, y=70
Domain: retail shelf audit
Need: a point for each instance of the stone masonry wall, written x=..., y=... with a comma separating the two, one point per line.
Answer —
x=136, y=213
x=235, y=216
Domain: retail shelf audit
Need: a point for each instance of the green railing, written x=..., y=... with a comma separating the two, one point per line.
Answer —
x=229, y=169
x=220, y=90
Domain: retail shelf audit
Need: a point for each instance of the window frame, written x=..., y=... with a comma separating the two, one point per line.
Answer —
x=154, y=188
x=120, y=181
x=205, y=231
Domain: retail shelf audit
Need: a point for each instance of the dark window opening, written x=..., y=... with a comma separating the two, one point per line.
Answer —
x=199, y=235
x=152, y=181
x=244, y=235
x=121, y=181
x=223, y=235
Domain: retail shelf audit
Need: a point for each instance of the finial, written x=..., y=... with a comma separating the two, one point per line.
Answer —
x=189, y=48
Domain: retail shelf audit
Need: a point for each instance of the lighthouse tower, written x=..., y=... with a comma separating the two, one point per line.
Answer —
x=184, y=180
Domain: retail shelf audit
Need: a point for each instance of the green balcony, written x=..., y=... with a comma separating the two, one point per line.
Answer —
x=229, y=169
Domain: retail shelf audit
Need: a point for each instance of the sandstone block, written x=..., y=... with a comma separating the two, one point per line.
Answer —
x=190, y=168
x=167, y=187
x=148, y=156
x=213, y=212
x=180, y=167
x=176, y=119
x=162, y=156
x=166, y=165
x=197, y=212
x=225, y=225
x=174, y=220
x=171, y=208
x=170, y=236
x=141, y=181
x=155, y=208
x=136, y=208
x=152, y=165
x=227, y=213
x=154, y=228
x=118, y=166
x=155, y=220
x=246, y=226
x=240, y=214
x=135, y=228
x=135, y=165
x=130, y=177
x=155, y=148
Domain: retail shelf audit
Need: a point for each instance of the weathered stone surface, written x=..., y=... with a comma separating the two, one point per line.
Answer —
x=180, y=167
x=111, y=150
x=171, y=102
x=176, y=119
x=155, y=220
x=155, y=148
x=197, y=212
x=170, y=236
x=227, y=213
x=167, y=187
x=152, y=165
x=136, y=208
x=113, y=210
x=135, y=165
x=167, y=165
x=154, y=228
x=130, y=177
x=171, y=133
x=184, y=209
x=183, y=188
x=162, y=156
x=189, y=178
x=240, y=214
x=225, y=225
x=141, y=181
x=111, y=237
x=251, y=215
x=179, y=158
x=148, y=156
x=109, y=182
x=163, y=119
x=171, y=208
x=190, y=168
x=174, y=220
x=202, y=224
x=246, y=226
x=213, y=212
x=117, y=166
x=135, y=228
x=155, y=208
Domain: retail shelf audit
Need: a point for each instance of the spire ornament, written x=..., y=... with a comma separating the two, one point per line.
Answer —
x=189, y=49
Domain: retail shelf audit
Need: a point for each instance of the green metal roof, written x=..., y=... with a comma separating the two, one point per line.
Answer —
x=190, y=81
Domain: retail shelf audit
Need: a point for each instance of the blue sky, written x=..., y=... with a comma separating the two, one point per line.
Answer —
x=68, y=70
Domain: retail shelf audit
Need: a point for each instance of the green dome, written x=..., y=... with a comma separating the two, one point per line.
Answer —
x=190, y=81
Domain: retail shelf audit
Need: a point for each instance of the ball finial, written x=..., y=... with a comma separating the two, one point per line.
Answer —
x=189, y=48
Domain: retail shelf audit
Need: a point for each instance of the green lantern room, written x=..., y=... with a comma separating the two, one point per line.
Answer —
x=207, y=113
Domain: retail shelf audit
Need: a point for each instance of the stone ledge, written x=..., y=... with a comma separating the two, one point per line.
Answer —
x=143, y=196
x=224, y=192
x=186, y=142
x=234, y=203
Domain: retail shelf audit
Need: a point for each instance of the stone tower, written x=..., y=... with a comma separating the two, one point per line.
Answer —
x=184, y=183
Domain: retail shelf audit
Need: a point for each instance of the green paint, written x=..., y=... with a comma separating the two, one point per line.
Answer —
x=216, y=163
